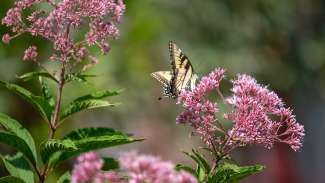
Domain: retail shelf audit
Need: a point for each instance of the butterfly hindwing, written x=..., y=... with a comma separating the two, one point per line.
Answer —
x=163, y=77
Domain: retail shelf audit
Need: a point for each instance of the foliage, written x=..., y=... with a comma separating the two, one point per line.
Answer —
x=74, y=58
x=53, y=151
x=222, y=172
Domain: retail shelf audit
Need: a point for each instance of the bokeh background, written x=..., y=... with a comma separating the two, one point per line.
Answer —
x=281, y=43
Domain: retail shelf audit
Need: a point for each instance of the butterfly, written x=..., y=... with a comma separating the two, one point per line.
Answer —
x=180, y=77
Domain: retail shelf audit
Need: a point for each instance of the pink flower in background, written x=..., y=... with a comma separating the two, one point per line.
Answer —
x=60, y=22
x=6, y=38
x=146, y=168
x=30, y=53
x=258, y=115
x=137, y=168
x=88, y=169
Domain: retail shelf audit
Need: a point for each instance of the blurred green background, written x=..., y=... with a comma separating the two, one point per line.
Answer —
x=281, y=43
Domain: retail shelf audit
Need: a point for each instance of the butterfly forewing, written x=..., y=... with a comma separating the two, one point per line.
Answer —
x=182, y=68
x=180, y=77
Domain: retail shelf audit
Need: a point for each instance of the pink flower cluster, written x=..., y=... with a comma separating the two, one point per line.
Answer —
x=145, y=168
x=88, y=169
x=258, y=114
x=58, y=22
x=198, y=109
x=137, y=168
x=31, y=53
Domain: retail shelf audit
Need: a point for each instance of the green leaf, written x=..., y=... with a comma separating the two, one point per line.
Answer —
x=46, y=93
x=21, y=134
x=199, y=159
x=65, y=178
x=80, y=105
x=201, y=174
x=42, y=106
x=110, y=164
x=231, y=173
x=98, y=95
x=10, y=179
x=18, y=143
x=19, y=167
x=186, y=168
x=79, y=77
x=34, y=75
x=89, y=139
x=52, y=146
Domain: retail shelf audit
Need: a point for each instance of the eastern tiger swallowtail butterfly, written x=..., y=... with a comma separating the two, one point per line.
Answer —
x=180, y=77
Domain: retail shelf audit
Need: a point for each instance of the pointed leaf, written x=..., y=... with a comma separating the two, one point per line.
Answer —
x=186, y=168
x=65, y=178
x=34, y=75
x=199, y=159
x=18, y=143
x=15, y=128
x=79, y=77
x=230, y=173
x=80, y=105
x=89, y=139
x=202, y=161
x=201, y=174
x=43, y=107
x=52, y=146
x=19, y=167
x=46, y=93
x=10, y=179
x=98, y=95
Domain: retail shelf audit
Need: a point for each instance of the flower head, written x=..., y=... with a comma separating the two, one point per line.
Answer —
x=146, y=168
x=30, y=53
x=6, y=38
x=65, y=18
x=139, y=169
x=199, y=110
x=88, y=169
x=258, y=115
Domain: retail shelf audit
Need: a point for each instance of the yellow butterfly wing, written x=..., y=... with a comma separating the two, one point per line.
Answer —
x=182, y=70
x=163, y=77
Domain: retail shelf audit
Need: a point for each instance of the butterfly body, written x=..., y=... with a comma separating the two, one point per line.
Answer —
x=180, y=77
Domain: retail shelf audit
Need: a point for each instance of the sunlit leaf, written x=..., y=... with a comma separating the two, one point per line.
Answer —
x=36, y=75
x=65, y=178
x=79, y=77
x=231, y=173
x=98, y=95
x=19, y=167
x=20, y=135
x=11, y=179
x=81, y=105
x=199, y=159
x=17, y=143
x=41, y=105
x=186, y=168
x=89, y=139
x=48, y=148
